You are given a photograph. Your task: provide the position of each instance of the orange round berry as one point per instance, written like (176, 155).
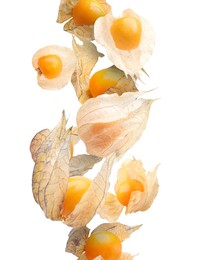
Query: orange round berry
(124, 190)
(77, 186)
(86, 12)
(103, 80)
(126, 33)
(50, 66)
(104, 244)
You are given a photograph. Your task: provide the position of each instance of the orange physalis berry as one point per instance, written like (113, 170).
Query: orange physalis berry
(124, 190)
(50, 66)
(104, 244)
(103, 80)
(126, 33)
(86, 12)
(77, 186)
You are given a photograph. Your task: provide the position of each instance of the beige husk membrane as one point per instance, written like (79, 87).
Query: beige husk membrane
(131, 62)
(51, 171)
(112, 123)
(87, 56)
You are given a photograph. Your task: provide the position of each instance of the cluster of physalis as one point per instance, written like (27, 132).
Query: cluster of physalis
(112, 117)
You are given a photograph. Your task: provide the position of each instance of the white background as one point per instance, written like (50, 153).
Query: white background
(173, 226)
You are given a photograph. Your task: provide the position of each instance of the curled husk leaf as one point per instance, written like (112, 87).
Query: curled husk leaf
(88, 205)
(40, 137)
(81, 163)
(131, 62)
(68, 59)
(82, 257)
(77, 240)
(125, 84)
(65, 10)
(51, 171)
(65, 13)
(74, 135)
(87, 57)
(120, 230)
(110, 208)
(78, 237)
(84, 32)
(139, 201)
(112, 123)
(37, 141)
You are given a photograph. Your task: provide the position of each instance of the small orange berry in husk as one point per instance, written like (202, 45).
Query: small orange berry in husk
(86, 12)
(126, 33)
(50, 66)
(124, 190)
(104, 244)
(103, 80)
(77, 186)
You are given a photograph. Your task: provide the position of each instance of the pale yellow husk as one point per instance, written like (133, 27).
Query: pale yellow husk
(87, 56)
(131, 62)
(139, 201)
(51, 171)
(112, 123)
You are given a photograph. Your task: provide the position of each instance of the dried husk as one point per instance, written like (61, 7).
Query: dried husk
(74, 135)
(65, 14)
(80, 164)
(153, 187)
(83, 32)
(133, 169)
(120, 230)
(125, 84)
(40, 137)
(87, 57)
(51, 171)
(36, 142)
(82, 257)
(131, 62)
(112, 123)
(110, 208)
(68, 59)
(65, 10)
(88, 205)
(141, 201)
(77, 240)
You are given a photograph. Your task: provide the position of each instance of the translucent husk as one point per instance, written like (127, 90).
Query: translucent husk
(131, 62)
(112, 123)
